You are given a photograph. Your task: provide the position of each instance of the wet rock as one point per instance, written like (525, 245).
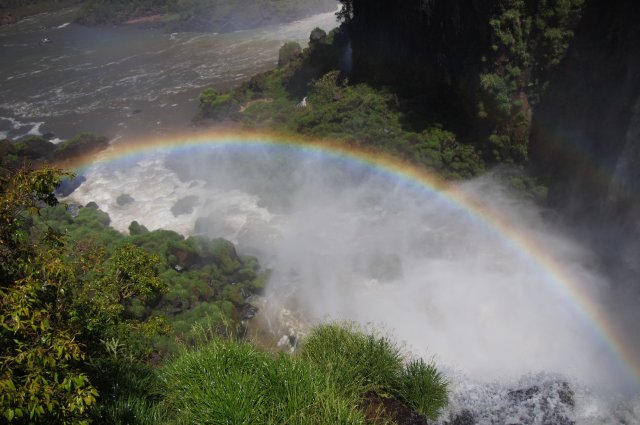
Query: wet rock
(288, 342)
(247, 311)
(317, 36)
(124, 199)
(82, 144)
(541, 400)
(136, 228)
(464, 418)
(382, 410)
(184, 205)
(246, 292)
(68, 186)
(34, 148)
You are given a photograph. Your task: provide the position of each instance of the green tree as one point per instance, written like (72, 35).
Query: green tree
(63, 306)
(40, 370)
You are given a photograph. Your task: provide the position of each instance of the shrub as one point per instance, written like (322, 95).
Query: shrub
(288, 53)
(423, 388)
(229, 382)
(219, 383)
(356, 362)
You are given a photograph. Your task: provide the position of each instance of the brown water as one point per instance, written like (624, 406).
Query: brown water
(126, 80)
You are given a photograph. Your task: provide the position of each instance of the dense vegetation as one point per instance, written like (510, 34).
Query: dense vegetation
(97, 326)
(332, 380)
(441, 86)
(35, 150)
(308, 95)
(481, 69)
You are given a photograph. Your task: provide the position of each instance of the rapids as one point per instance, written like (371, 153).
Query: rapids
(351, 241)
(124, 80)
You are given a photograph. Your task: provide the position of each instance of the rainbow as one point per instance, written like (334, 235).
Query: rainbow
(556, 276)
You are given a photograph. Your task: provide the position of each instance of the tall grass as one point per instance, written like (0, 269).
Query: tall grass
(229, 382)
(129, 394)
(423, 388)
(232, 382)
(355, 361)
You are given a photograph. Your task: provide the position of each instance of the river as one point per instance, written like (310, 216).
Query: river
(124, 81)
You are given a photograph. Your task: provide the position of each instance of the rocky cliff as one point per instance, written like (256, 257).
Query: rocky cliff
(554, 84)
(478, 65)
(586, 131)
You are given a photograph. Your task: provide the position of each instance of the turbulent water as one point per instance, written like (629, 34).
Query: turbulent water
(347, 242)
(127, 80)
(344, 241)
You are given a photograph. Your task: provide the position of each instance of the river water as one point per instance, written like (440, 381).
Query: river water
(127, 80)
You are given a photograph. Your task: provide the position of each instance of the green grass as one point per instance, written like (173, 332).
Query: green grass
(229, 382)
(355, 361)
(232, 382)
(423, 388)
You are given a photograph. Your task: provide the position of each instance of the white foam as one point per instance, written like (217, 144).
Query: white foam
(35, 130)
(376, 251)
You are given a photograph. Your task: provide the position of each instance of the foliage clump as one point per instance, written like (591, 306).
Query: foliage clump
(79, 301)
(59, 303)
(41, 373)
(289, 52)
(325, 383)
(528, 42)
(311, 96)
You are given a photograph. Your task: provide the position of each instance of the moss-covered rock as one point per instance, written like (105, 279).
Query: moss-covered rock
(289, 52)
(82, 144)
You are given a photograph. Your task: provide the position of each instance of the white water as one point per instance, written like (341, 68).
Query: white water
(348, 243)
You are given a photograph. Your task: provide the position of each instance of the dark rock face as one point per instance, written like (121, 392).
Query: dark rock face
(586, 131)
(380, 410)
(247, 311)
(435, 45)
(476, 66)
(424, 42)
(584, 119)
(464, 418)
